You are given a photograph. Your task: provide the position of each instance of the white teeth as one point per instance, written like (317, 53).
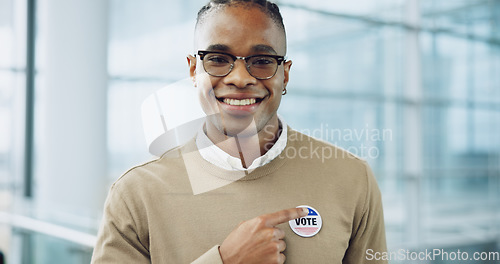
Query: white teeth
(239, 102)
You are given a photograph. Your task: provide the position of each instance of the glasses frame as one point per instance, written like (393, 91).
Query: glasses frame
(278, 58)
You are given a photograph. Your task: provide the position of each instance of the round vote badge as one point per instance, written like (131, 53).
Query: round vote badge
(309, 225)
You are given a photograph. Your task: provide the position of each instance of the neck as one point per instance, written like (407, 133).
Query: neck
(247, 147)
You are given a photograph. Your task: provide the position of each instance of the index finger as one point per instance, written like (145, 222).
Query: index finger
(286, 215)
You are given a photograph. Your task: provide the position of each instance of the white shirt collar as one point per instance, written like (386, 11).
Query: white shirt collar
(213, 154)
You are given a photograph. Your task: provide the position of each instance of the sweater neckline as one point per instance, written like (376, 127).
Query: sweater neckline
(213, 154)
(227, 175)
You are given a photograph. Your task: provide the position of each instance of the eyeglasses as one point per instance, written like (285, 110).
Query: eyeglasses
(220, 64)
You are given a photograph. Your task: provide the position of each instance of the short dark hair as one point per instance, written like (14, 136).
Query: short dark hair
(271, 9)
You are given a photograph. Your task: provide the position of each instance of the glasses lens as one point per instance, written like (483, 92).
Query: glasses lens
(217, 64)
(262, 67)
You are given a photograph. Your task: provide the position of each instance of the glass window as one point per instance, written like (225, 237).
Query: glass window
(363, 78)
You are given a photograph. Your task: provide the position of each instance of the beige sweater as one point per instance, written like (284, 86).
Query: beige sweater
(152, 215)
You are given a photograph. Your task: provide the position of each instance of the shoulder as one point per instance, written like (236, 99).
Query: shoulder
(325, 150)
(162, 172)
(348, 170)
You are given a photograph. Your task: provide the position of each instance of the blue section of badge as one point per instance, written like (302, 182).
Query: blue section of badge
(312, 212)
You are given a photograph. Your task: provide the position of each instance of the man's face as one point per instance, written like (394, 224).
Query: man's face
(241, 31)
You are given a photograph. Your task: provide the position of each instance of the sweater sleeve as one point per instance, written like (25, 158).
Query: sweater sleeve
(118, 240)
(369, 235)
(210, 257)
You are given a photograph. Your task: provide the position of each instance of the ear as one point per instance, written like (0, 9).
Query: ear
(191, 60)
(286, 65)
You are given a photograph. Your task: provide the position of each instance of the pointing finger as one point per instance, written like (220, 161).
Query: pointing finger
(286, 215)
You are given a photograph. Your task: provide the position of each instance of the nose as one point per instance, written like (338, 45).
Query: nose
(239, 76)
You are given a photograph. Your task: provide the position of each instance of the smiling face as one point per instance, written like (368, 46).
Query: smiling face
(238, 103)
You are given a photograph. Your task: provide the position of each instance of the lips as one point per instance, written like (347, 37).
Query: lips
(239, 103)
(239, 100)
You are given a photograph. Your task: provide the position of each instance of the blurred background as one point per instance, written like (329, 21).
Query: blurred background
(413, 86)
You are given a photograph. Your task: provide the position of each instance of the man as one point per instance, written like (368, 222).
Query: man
(222, 197)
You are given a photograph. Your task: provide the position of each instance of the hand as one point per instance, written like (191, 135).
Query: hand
(258, 240)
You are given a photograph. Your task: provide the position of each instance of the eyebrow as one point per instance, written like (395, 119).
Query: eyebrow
(263, 48)
(219, 47)
(260, 48)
